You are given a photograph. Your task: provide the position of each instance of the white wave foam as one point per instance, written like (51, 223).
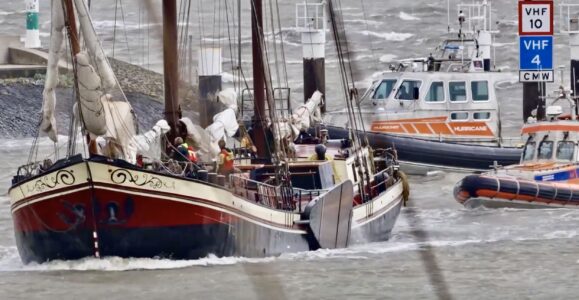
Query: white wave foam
(407, 17)
(388, 57)
(389, 36)
(364, 22)
(12, 263)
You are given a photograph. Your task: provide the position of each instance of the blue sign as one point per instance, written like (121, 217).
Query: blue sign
(536, 52)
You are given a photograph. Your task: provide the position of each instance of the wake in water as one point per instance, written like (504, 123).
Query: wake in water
(417, 229)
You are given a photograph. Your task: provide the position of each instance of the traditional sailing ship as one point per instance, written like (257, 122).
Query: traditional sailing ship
(440, 109)
(108, 203)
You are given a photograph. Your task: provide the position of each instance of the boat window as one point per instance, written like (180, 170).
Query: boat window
(384, 89)
(436, 92)
(459, 116)
(457, 91)
(545, 150)
(482, 115)
(565, 150)
(480, 90)
(406, 89)
(529, 151)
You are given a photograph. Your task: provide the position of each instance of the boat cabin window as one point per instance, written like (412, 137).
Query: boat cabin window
(406, 89)
(459, 116)
(435, 92)
(565, 150)
(457, 91)
(529, 151)
(480, 90)
(481, 115)
(545, 150)
(384, 89)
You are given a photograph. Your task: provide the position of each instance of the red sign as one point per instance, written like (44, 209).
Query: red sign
(536, 17)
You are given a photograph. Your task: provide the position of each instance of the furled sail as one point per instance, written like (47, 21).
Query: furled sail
(224, 124)
(97, 55)
(48, 124)
(91, 96)
(301, 119)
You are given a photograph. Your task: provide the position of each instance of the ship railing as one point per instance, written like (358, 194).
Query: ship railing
(277, 197)
(382, 181)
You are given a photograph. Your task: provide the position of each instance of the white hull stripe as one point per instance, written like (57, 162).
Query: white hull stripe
(23, 203)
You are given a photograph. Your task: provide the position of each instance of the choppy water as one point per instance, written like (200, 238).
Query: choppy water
(438, 249)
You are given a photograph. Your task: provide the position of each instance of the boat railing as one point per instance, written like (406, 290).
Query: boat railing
(277, 197)
(382, 181)
(281, 97)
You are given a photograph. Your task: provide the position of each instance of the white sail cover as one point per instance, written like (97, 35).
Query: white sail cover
(207, 148)
(48, 124)
(301, 119)
(224, 124)
(149, 143)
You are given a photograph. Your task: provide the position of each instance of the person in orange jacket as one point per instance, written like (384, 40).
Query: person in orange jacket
(226, 159)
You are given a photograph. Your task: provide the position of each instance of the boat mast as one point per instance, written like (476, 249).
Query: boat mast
(258, 127)
(75, 47)
(171, 68)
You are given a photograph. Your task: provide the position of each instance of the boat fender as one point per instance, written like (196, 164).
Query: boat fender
(405, 186)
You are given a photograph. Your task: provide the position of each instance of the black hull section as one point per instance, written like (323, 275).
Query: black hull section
(442, 154)
(42, 246)
(179, 242)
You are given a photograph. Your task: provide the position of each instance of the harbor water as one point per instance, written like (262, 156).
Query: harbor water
(439, 250)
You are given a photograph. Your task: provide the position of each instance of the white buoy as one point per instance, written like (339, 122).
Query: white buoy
(32, 33)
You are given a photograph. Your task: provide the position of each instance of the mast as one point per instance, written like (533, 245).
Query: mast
(258, 127)
(171, 68)
(75, 47)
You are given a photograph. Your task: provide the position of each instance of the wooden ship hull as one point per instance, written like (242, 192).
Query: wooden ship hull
(99, 207)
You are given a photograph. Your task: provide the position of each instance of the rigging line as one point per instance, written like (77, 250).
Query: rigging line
(201, 63)
(371, 40)
(125, 32)
(230, 42)
(274, 43)
(115, 27)
(282, 46)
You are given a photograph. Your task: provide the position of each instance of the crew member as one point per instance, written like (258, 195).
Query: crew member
(226, 158)
(181, 151)
(321, 155)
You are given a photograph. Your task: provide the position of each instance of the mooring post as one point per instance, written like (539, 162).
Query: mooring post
(209, 69)
(311, 21)
(32, 34)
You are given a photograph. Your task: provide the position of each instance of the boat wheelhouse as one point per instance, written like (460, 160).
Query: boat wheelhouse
(440, 109)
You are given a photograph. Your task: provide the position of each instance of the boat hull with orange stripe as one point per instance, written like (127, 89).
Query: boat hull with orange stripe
(497, 191)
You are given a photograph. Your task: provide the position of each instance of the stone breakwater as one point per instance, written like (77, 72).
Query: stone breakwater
(21, 100)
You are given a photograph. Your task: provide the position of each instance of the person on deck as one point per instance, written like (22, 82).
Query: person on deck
(225, 166)
(321, 155)
(181, 151)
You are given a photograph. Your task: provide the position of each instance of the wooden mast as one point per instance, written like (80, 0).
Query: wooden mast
(171, 68)
(75, 47)
(258, 127)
